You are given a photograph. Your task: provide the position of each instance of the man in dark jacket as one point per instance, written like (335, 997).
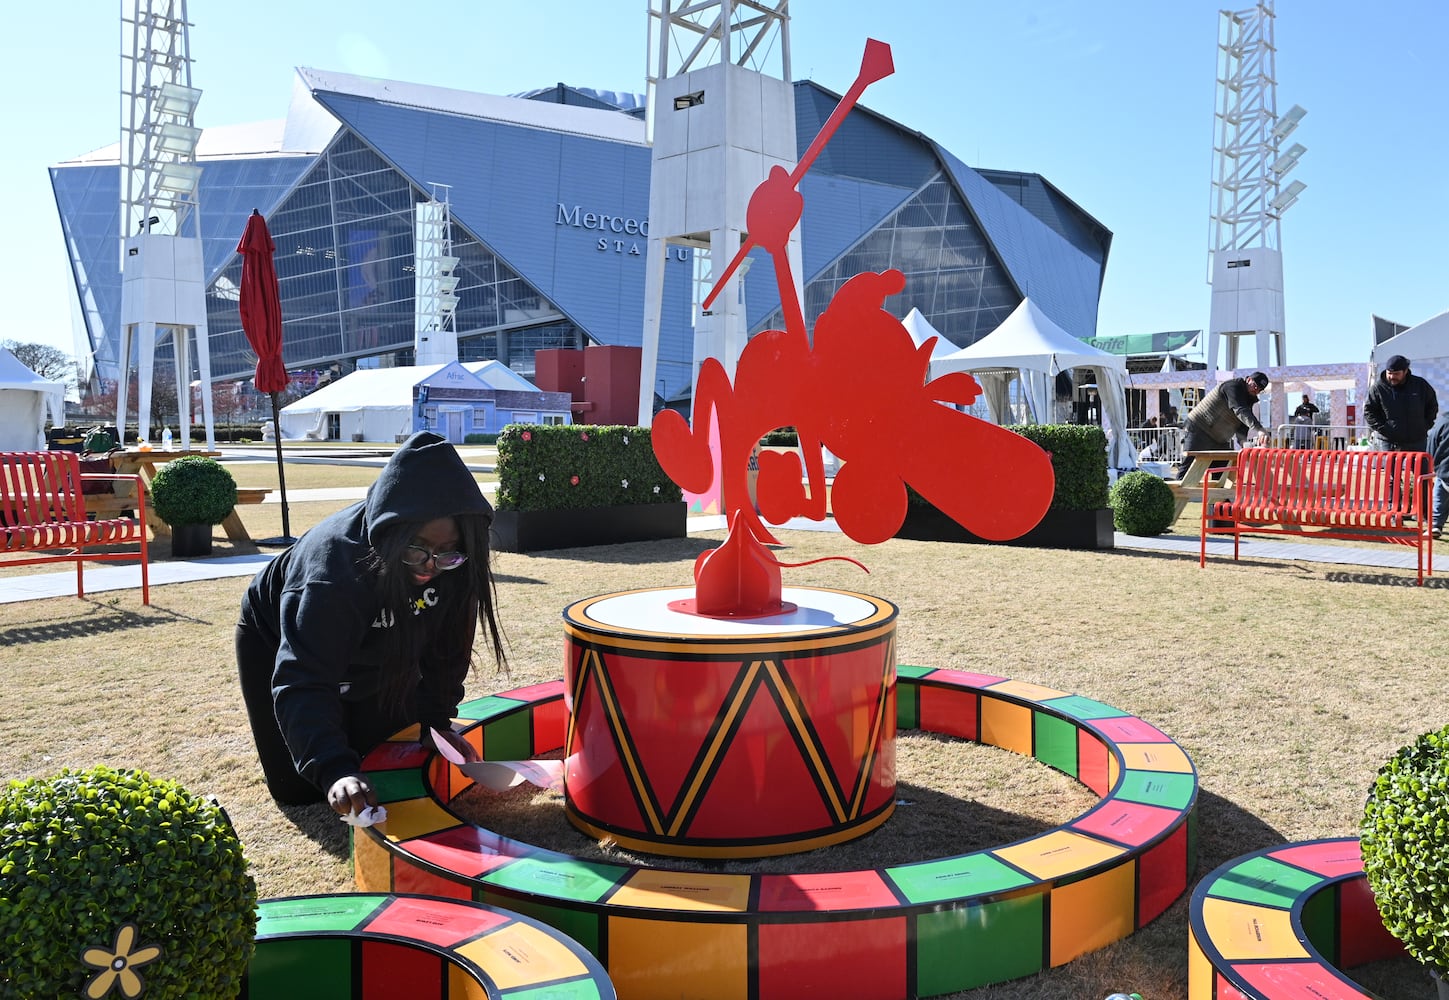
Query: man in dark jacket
(1224, 413)
(1400, 408)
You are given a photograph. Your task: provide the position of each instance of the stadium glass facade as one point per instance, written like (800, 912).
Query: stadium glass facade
(550, 224)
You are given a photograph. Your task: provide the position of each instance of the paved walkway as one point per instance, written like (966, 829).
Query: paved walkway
(104, 578)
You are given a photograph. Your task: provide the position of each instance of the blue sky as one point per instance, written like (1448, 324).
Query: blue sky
(1111, 101)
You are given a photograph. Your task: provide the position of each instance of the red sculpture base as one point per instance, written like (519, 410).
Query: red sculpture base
(700, 737)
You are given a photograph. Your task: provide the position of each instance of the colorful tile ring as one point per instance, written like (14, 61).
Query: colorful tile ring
(358, 945)
(1279, 923)
(919, 929)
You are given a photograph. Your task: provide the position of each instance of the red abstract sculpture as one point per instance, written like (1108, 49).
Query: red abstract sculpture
(862, 390)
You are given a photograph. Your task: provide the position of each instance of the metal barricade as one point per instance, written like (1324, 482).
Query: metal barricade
(1157, 444)
(1323, 437)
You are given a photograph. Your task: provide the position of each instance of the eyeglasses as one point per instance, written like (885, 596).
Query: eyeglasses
(416, 557)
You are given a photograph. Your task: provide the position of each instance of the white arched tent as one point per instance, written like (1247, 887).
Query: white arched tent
(1030, 346)
(25, 401)
(921, 330)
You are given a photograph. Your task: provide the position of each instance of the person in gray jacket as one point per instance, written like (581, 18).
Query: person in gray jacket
(1224, 413)
(1439, 448)
(1400, 408)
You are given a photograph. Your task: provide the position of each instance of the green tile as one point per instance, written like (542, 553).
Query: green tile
(908, 706)
(578, 989)
(955, 878)
(970, 946)
(391, 786)
(340, 912)
(508, 738)
(1320, 922)
(1158, 788)
(1055, 742)
(904, 671)
(580, 881)
(487, 708)
(1263, 882)
(1084, 708)
(311, 967)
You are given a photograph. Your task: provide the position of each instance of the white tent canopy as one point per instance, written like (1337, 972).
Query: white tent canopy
(1030, 346)
(921, 330)
(25, 401)
(1427, 348)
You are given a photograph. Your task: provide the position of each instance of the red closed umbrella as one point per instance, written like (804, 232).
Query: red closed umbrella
(261, 319)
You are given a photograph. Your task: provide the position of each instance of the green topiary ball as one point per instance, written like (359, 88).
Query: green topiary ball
(113, 877)
(193, 490)
(1405, 843)
(1142, 504)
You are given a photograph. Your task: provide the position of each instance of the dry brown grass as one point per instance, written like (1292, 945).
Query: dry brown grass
(1288, 683)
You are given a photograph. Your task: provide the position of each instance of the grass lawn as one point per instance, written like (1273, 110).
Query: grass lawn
(1288, 684)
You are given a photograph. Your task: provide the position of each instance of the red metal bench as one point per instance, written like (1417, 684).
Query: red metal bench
(1380, 496)
(42, 510)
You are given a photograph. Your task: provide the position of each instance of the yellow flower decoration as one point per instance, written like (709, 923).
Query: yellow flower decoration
(118, 965)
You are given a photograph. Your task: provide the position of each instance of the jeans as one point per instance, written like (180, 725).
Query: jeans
(1441, 502)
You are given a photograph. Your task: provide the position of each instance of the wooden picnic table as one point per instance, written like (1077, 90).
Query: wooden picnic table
(1189, 488)
(143, 463)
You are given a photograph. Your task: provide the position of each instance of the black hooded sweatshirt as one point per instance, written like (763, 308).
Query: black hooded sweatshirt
(318, 603)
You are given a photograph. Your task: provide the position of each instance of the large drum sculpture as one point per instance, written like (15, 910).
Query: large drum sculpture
(693, 736)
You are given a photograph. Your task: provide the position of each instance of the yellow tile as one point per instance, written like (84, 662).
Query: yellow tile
(411, 818)
(1058, 853)
(1006, 725)
(679, 890)
(1031, 692)
(1094, 912)
(664, 960)
(371, 864)
(523, 955)
(1155, 757)
(1244, 931)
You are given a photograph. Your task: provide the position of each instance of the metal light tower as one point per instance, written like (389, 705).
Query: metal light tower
(435, 339)
(721, 114)
(162, 279)
(1249, 196)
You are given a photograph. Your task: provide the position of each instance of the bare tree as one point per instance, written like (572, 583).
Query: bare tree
(48, 362)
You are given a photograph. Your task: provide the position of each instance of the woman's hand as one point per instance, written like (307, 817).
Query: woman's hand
(459, 744)
(351, 794)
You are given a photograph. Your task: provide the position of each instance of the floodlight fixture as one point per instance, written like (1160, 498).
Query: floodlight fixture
(448, 283)
(177, 140)
(446, 264)
(1289, 159)
(447, 303)
(1287, 196)
(179, 178)
(686, 101)
(178, 101)
(1289, 121)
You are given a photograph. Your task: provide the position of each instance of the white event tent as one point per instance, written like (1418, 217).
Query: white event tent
(921, 330)
(1427, 348)
(25, 401)
(1030, 346)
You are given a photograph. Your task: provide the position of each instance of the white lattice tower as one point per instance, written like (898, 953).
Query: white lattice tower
(1249, 196)
(721, 112)
(163, 287)
(435, 338)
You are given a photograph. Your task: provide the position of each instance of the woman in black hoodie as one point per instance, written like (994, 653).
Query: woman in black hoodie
(366, 625)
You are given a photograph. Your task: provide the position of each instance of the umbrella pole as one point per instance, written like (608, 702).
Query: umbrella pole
(286, 538)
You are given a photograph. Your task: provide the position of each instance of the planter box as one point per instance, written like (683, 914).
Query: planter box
(1059, 529)
(190, 540)
(534, 530)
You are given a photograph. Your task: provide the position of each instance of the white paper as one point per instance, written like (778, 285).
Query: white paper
(370, 816)
(501, 775)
